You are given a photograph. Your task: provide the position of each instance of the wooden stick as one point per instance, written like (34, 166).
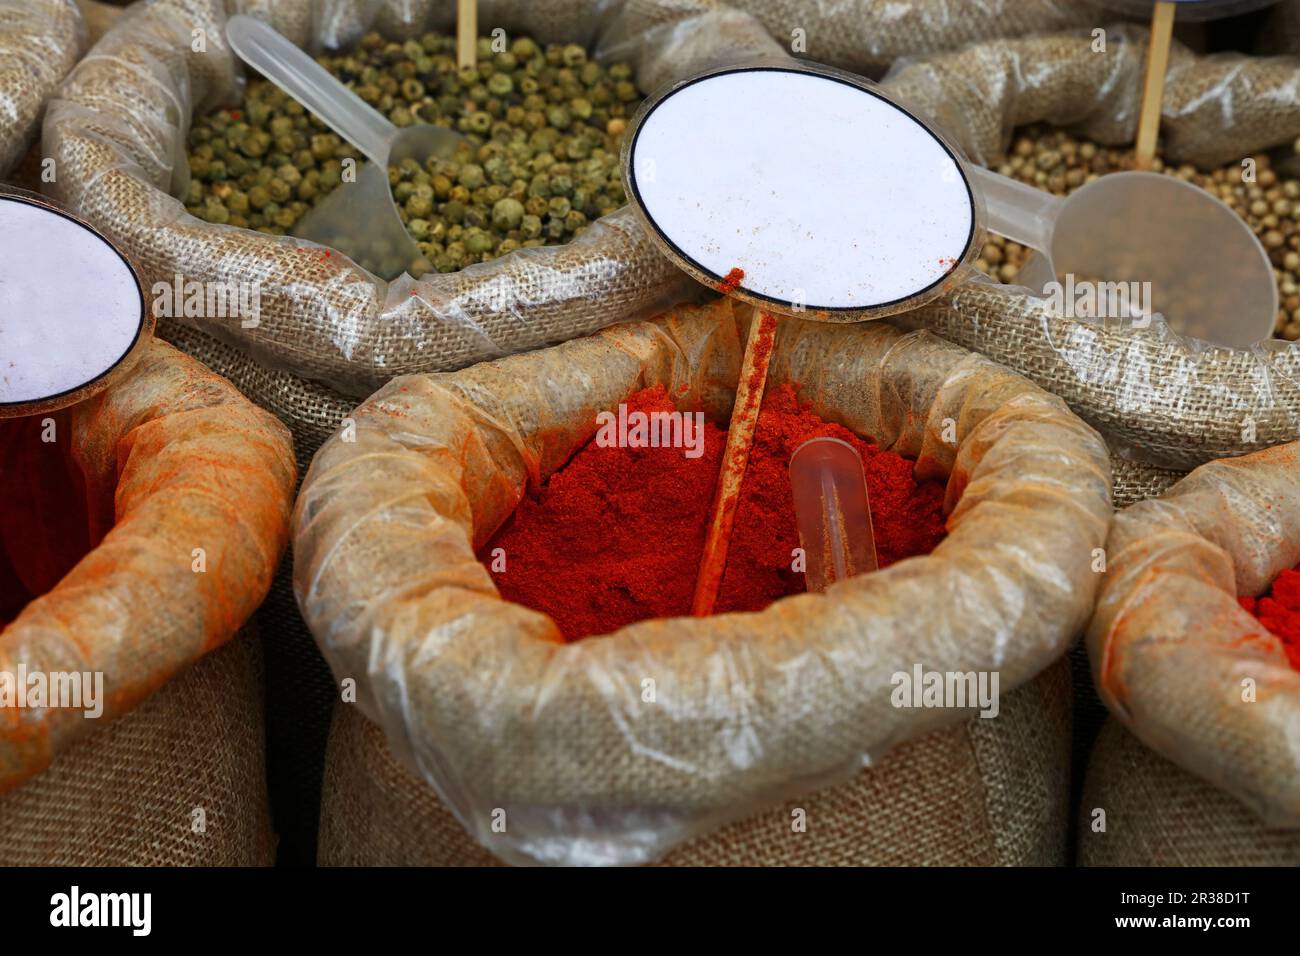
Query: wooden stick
(466, 33)
(740, 436)
(1153, 92)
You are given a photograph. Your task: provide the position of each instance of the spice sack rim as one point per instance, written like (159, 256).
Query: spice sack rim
(483, 699)
(1170, 645)
(174, 459)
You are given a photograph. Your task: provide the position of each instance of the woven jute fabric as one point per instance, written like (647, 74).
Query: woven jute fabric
(866, 36)
(1216, 108)
(1158, 814)
(40, 41)
(1171, 403)
(1174, 655)
(387, 578)
(1136, 481)
(116, 133)
(1160, 400)
(179, 781)
(985, 793)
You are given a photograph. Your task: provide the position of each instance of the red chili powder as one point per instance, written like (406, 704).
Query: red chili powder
(731, 281)
(616, 536)
(1279, 611)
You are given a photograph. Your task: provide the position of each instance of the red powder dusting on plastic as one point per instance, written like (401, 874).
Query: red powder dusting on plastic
(616, 536)
(731, 281)
(1279, 611)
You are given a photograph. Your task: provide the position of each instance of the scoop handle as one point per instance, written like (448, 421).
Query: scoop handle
(1018, 211)
(288, 67)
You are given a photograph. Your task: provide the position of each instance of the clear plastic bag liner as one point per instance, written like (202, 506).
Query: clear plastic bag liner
(866, 36)
(1158, 398)
(188, 488)
(486, 702)
(40, 41)
(1177, 659)
(118, 131)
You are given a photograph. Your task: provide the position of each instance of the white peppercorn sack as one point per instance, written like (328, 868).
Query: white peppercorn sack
(140, 531)
(486, 702)
(1177, 659)
(117, 134)
(40, 41)
(1158, 814)
(1170, 402)
(866, 36)
(179, 781)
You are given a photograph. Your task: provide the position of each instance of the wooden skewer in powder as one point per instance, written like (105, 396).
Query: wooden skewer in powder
(740, 437)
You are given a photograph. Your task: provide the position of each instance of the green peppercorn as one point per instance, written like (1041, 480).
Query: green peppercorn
(538, 160)
(507, 214)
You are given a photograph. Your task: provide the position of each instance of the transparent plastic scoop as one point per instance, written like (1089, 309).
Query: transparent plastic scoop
(1149, 242)
(831, 511)
(358, 218)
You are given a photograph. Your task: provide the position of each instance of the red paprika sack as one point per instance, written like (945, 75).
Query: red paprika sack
(1174, 655)
(487, 703)
(180, 489)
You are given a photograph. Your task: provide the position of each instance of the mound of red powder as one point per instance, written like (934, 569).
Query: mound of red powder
(1279, 611)
(616, 535)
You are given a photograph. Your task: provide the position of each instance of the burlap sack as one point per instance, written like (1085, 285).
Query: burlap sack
(1176, 658)
(180, 781)
(116, 133)
(866, 36)
(1216, 108)
(1158, 814)
(984, 793)
(1159, 399)
(40, 40)
(388, 581)
(182, 496)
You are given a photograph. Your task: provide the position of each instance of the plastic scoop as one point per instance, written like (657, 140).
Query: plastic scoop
(830, 509)
(359, 219)
(1147, 242)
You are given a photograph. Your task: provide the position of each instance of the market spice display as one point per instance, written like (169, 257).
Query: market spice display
(539, 162)
(1279, 611)
(616, 536)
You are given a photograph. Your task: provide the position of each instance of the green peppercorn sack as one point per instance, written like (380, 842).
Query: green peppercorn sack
(117, 135)
(40, 41)
(1159, 399)
(1176, 658)
(486, 703)
(1140, 809)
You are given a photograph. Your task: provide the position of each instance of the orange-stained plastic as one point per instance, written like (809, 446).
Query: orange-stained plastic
(168, 496)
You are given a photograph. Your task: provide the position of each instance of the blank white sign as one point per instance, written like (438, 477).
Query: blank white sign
(70, 306)
(826, 194)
